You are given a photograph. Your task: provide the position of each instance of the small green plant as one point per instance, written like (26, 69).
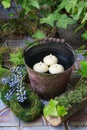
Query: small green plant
(17, 58)
(53, 109)
(39, 35)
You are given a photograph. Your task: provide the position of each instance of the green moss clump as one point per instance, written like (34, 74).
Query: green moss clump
(4, 91)
(83, 90)
(75, 97)
(25, 113)
(63, 101)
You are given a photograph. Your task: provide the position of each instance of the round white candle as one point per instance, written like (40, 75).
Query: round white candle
(56, 68)
(40, 67)
(50, 59)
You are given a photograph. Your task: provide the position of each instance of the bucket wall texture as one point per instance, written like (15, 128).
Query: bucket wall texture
(48, 86)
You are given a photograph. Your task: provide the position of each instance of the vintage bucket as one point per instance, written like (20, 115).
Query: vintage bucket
(48, 85)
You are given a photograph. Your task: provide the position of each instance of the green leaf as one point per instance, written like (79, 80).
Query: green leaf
(3, 71)
(27, 10)
(39, 35)
(53, 102)
(80, 7)
(6, 3)
(85, 54)
(67, 4)
(50, 109)
(70, 4)
(61, 111)
(84, 19)
(84, 35)
(17, 58)
(64, 21)
(83, 70)
(50, 19)
(61, 5)
(35, 4)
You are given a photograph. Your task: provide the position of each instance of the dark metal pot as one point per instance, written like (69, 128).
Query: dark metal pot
(44, 84)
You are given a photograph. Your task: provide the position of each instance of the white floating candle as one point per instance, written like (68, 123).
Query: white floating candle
(56, 68)
(40, 67)
(50, 59)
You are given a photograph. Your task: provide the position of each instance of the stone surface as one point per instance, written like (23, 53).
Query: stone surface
(43, 128)
(38, 122)
(77, 128)
(18, 42)
(9, 128)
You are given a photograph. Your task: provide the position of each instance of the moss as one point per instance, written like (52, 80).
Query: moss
(75, 97)
(4, 91)
(83, 89)
(33, 110)
(63, 101)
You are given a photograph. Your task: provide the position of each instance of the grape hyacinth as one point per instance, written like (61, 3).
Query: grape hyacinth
(15, 83)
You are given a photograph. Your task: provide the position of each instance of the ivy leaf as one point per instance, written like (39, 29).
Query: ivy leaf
(67, 4)
(50, 109)
(61, 111)
(64, 21)
(39, 35)
(73, 2)
(35, 4)
(50, 19)
(17, 58)
(70, 4)
(84, 35)
(80, 7)
(6, 3)
(53, 102)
